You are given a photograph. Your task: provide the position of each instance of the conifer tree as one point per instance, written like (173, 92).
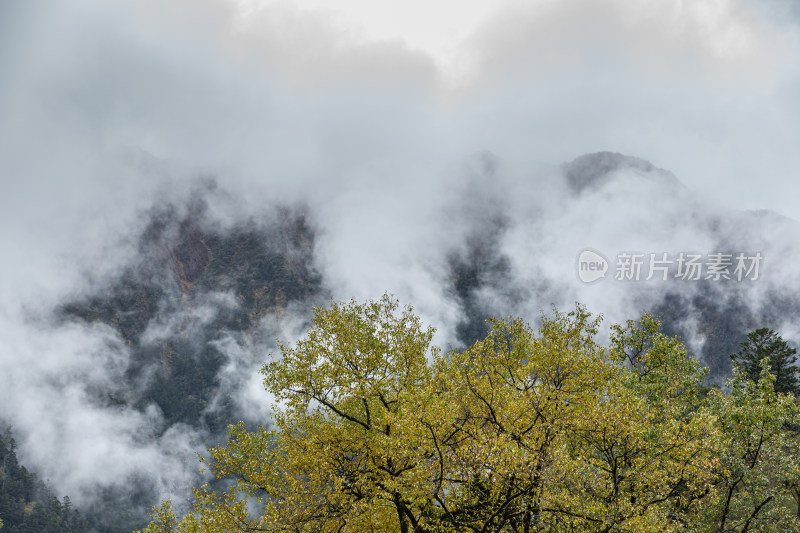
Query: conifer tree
(766, 343)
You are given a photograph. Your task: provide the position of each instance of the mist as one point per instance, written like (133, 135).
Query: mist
(429, 158)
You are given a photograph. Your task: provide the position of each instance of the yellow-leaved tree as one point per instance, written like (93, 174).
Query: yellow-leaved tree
(527, 430)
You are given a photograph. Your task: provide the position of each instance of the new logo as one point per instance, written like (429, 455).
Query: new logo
(592, 266)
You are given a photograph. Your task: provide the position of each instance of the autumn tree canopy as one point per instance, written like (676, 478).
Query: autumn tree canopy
(376, 430)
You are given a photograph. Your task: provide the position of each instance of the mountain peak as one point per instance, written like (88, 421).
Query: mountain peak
(592, 171)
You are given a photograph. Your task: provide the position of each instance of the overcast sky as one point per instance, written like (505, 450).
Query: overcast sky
(313, 95)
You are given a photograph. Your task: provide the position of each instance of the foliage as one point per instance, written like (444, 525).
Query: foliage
(27, 504)
(766, 343)
(377, 430)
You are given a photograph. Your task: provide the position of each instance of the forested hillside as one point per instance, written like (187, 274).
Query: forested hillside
(27, 504)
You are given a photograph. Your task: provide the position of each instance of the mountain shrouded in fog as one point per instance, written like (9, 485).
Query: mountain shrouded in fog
(182, 181)
(195, 312)
(193, 289)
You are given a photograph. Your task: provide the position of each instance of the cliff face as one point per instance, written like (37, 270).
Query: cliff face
(196, 283)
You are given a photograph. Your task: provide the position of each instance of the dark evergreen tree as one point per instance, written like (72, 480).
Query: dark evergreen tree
(762, 343)
(27, 504)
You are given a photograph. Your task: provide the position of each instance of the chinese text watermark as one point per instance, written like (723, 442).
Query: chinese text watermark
(683, 266)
